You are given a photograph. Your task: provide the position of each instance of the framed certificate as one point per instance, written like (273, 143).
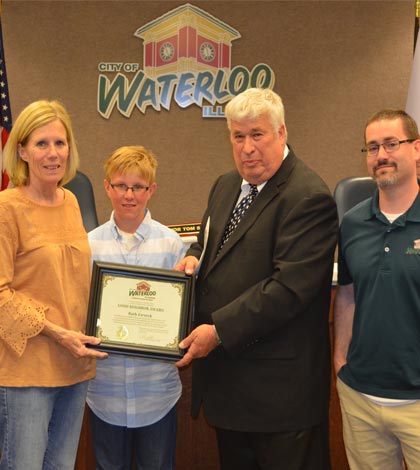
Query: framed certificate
(139, 311)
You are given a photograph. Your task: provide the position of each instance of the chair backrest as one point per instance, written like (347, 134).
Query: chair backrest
(351, 191)
(81, 187)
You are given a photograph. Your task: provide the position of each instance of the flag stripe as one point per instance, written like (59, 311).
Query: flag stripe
(5, 112)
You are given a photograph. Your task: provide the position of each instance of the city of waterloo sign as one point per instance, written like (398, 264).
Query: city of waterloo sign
(186, 60)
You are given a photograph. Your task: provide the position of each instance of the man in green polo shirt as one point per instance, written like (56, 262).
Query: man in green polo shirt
(377, 308)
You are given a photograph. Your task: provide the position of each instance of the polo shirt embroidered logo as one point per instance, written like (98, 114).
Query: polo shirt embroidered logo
(415, 250)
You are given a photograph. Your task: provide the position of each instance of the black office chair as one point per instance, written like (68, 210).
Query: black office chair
(351, 191)
(81, 187)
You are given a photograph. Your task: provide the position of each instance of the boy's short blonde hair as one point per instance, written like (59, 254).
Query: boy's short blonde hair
(132, 159)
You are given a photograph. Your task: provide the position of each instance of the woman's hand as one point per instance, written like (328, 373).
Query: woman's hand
(74, 341)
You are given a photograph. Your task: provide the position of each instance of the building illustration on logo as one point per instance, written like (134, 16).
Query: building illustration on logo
(187, 60)
(186, 39)
(143, 286)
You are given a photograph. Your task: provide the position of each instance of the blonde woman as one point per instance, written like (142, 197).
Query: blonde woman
(44, 283)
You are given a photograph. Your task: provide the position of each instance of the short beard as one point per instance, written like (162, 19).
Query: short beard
(387, 182)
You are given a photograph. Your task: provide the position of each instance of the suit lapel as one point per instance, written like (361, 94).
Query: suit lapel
(248, 220)
(226, 202)
(270, 191)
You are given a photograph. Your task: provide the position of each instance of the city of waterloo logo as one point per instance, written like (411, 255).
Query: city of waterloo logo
(186, 60)
(143, 289)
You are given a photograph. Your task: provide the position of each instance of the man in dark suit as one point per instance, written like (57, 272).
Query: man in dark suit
(261, 338)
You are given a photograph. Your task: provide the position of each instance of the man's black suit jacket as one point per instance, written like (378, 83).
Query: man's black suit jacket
(268, 293)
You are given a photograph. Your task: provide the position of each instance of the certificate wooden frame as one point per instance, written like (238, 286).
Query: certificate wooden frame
(139, 311)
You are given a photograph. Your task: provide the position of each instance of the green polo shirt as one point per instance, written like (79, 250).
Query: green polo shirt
(382, 260)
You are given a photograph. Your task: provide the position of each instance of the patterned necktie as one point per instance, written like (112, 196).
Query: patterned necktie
(238, 213)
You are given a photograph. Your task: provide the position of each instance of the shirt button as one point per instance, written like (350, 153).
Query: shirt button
(387, 249)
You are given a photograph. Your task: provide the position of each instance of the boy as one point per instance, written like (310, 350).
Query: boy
(132, 401)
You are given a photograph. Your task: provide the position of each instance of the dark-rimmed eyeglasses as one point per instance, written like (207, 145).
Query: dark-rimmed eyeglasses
(122, 188)
(389, 146)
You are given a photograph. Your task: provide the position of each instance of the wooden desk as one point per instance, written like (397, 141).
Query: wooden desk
(196, 440)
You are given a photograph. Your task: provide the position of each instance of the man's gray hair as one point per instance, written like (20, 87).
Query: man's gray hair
(254, 103)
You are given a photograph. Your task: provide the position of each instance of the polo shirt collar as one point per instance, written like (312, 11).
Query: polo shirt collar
(411, 215)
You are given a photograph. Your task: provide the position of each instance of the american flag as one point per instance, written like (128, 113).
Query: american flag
(5, 113)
